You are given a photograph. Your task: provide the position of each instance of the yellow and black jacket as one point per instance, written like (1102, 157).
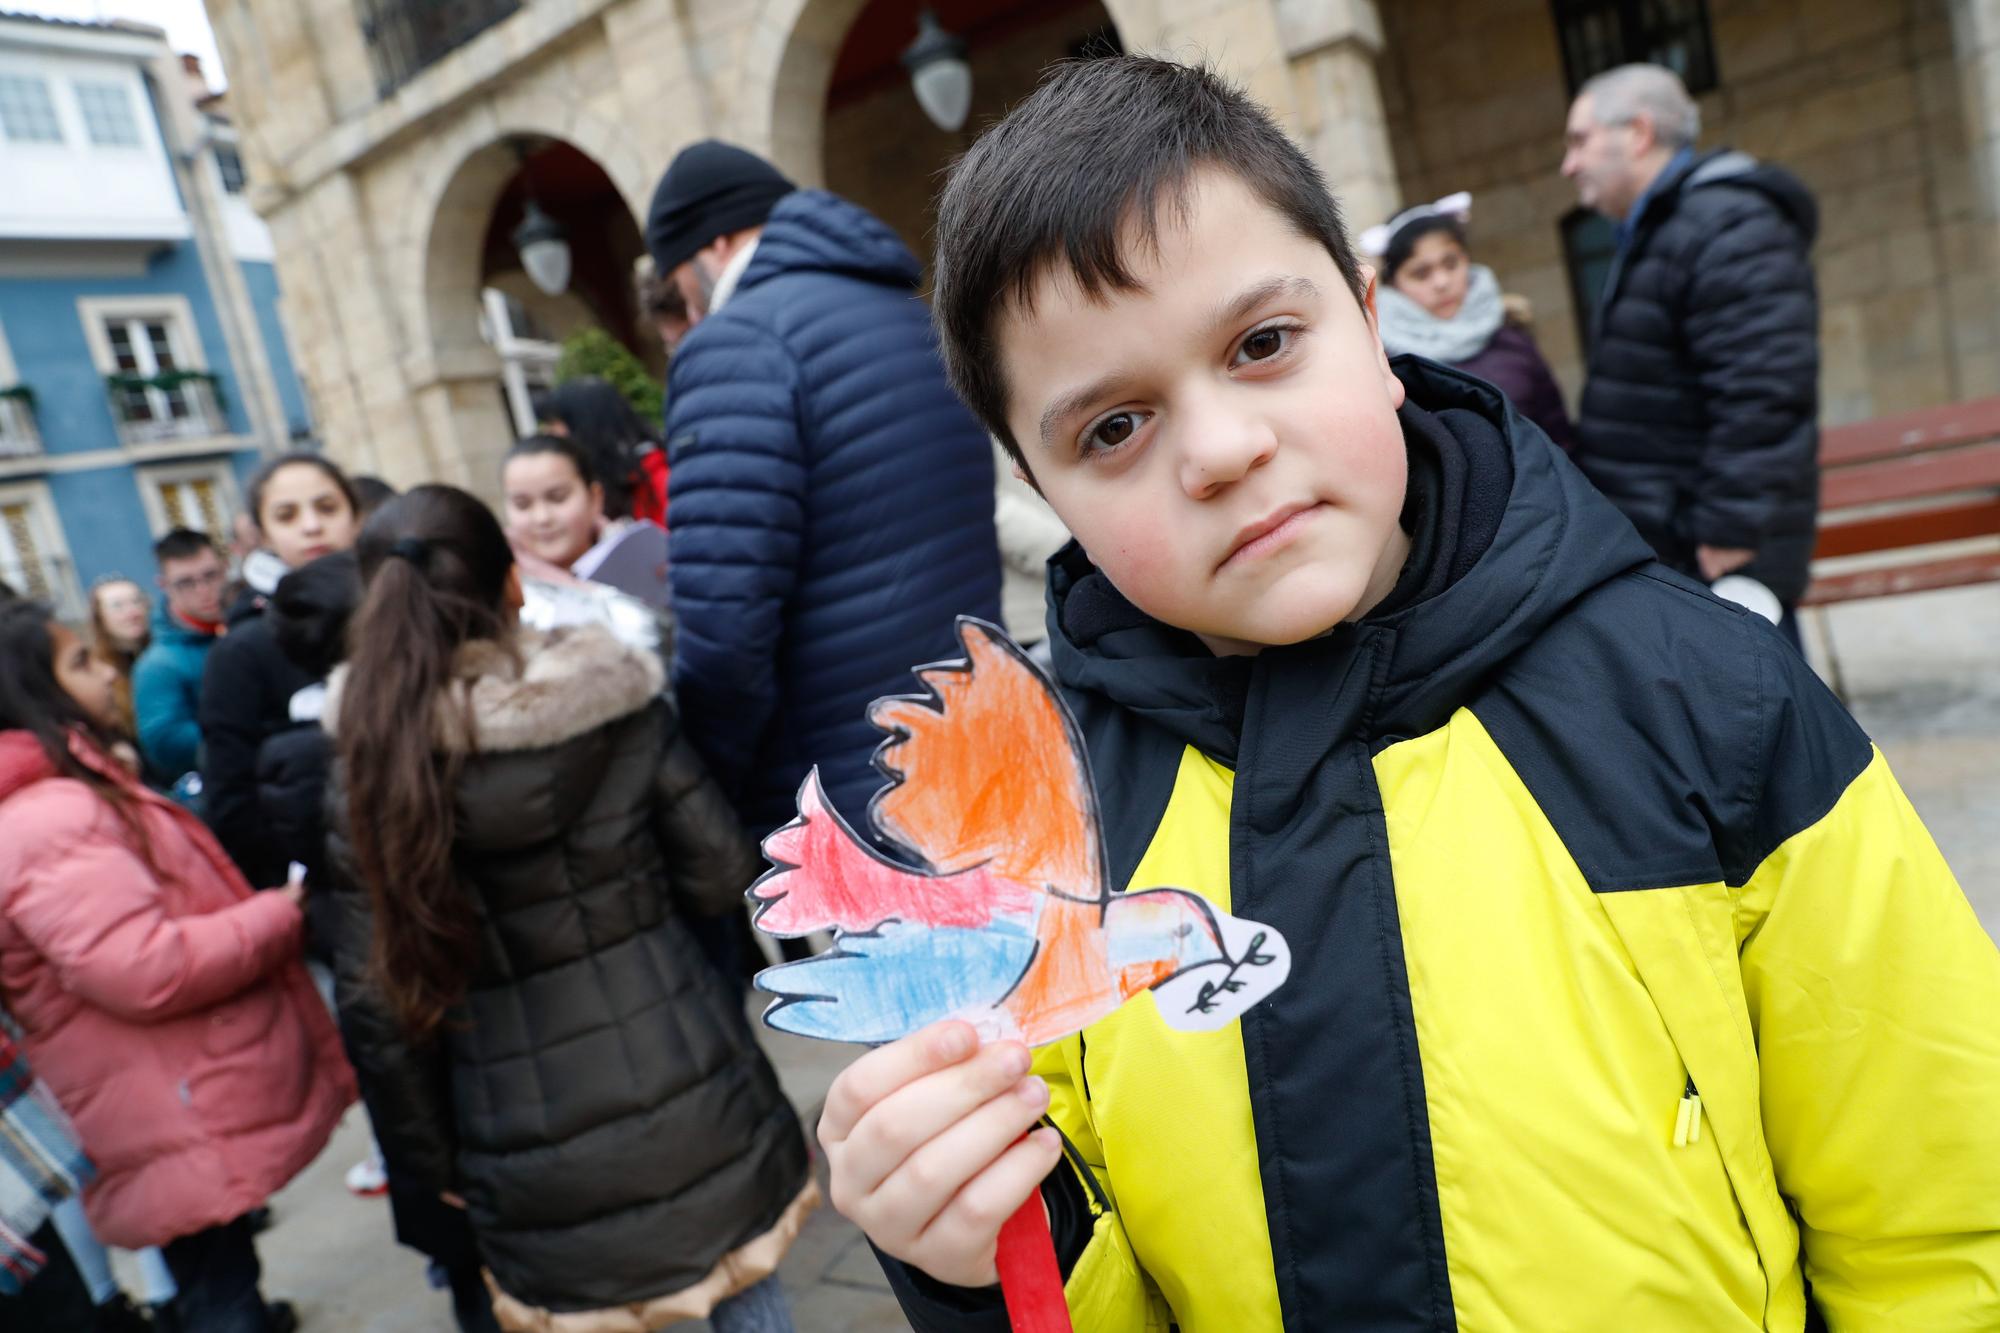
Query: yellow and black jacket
(1628, 992)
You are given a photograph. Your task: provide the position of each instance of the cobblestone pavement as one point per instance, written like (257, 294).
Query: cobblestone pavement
(1922, 673)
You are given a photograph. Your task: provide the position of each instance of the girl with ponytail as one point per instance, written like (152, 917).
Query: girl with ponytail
(525, 837)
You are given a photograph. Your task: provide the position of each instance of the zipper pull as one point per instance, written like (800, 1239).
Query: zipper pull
(1687, 1123)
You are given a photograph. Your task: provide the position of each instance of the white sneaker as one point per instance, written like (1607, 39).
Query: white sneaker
(368, 1179)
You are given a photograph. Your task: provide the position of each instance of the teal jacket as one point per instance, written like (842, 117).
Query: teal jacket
(166, 696)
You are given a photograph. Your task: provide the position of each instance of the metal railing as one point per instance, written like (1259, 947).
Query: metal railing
(151, 415)
(406, 36)
(18, 436)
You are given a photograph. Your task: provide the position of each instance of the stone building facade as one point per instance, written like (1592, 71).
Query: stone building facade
(387, 179)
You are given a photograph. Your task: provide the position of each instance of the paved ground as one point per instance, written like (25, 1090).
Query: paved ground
(1922, 673)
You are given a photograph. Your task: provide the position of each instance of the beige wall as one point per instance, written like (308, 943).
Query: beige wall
(1860, 97)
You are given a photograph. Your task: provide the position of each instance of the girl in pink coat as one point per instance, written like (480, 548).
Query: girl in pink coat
(162, 1001)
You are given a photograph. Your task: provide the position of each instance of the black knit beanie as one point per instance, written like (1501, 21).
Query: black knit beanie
(711, 189)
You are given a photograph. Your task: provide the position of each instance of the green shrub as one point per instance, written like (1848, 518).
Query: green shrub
(595, 352)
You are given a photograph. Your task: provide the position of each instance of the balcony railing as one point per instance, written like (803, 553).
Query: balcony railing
(405, 36)
(45, 578)
(183, 405)
(18, 436)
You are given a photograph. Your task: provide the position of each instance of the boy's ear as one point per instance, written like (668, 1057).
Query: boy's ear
(1393, 385)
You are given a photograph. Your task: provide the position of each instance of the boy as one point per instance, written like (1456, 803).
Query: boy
(1627, 990)
(166, 680)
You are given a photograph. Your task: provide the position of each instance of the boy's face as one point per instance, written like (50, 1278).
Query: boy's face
(1223, 439)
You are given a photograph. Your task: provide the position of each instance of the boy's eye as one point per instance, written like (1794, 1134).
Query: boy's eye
(1111, 432)
(1263, 344)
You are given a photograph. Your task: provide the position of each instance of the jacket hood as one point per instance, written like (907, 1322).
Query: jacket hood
(22, 762)
(538, 691)
(1555, 540)
(1728, 166)
(310, 608)
(813, 231)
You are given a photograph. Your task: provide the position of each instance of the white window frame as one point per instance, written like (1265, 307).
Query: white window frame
(154, 481)
(183, 334)
(78, 88)
(45, 530)
(55, 112)
(19, 435)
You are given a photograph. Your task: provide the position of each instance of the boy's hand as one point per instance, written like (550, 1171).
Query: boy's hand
(924, 1140)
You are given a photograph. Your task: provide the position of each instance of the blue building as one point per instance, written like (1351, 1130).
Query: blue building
(143, 365)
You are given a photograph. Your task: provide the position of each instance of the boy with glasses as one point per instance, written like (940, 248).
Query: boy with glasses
(166, 680)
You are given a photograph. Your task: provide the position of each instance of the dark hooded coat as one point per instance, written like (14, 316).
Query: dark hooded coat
(1700, 416)
(831, 508)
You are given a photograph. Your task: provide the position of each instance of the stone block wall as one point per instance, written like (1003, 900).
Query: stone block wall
(1861, 98)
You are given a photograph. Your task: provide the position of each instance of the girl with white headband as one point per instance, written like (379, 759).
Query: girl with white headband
(1435, 302)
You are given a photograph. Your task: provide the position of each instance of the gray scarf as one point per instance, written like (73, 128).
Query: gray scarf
(1408, 327)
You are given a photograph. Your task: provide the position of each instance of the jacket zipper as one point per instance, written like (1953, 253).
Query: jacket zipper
(1687, 1124)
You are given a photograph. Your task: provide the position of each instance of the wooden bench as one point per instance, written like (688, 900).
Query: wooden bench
(1914, 487)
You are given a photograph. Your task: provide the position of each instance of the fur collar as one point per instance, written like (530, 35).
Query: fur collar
(542, 689)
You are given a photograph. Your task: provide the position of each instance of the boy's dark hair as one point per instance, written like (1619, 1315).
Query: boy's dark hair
(1099, 145)
(1403, 243)
(183, 544)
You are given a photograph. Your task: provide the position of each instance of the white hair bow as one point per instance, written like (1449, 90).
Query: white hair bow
(1375, 241)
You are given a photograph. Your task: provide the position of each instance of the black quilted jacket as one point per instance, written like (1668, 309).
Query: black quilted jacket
(598, 1099)
(1700, 415)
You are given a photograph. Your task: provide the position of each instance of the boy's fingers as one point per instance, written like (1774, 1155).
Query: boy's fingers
(887, 1068)
(913, 1115)
(928, 1179)
(972, 1221)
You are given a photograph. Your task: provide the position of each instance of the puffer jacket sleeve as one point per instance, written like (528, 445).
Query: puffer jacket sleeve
(116, 946)
(1752, 331)
(231, 705)
(1872, 990)
(406, 1087)
(735, 523)
(163, 708)
(710, 860)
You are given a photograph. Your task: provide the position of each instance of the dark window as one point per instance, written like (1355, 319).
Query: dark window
(230, 163)
(1600, 34)
(1589, 240)
(405, 36)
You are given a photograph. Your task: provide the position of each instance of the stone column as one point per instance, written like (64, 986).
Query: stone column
(1331, 46)
(1972, 241)
(1976, 35)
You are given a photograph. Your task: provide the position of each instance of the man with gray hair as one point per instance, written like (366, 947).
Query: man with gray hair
(1700, 412)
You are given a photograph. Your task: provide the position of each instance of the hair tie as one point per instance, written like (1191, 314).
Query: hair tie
(413, 549)
(1375, 241)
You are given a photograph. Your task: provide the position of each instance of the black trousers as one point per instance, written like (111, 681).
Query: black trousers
(55, 1299)
(218, 1274)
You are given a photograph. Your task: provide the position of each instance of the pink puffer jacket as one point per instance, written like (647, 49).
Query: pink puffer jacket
(168, 1009)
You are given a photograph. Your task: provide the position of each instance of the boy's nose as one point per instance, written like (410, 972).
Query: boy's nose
(1220, 447)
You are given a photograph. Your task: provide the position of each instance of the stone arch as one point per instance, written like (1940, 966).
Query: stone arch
(468, 170)
(788, 65)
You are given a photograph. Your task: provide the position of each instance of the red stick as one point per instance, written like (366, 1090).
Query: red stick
(1030, 1280)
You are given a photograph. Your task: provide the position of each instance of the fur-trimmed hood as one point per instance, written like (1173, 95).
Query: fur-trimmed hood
(534, 691)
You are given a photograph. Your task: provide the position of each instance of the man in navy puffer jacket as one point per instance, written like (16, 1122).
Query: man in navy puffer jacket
(831, 502)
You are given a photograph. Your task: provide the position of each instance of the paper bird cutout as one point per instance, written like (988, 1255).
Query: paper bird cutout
(1007, 919)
